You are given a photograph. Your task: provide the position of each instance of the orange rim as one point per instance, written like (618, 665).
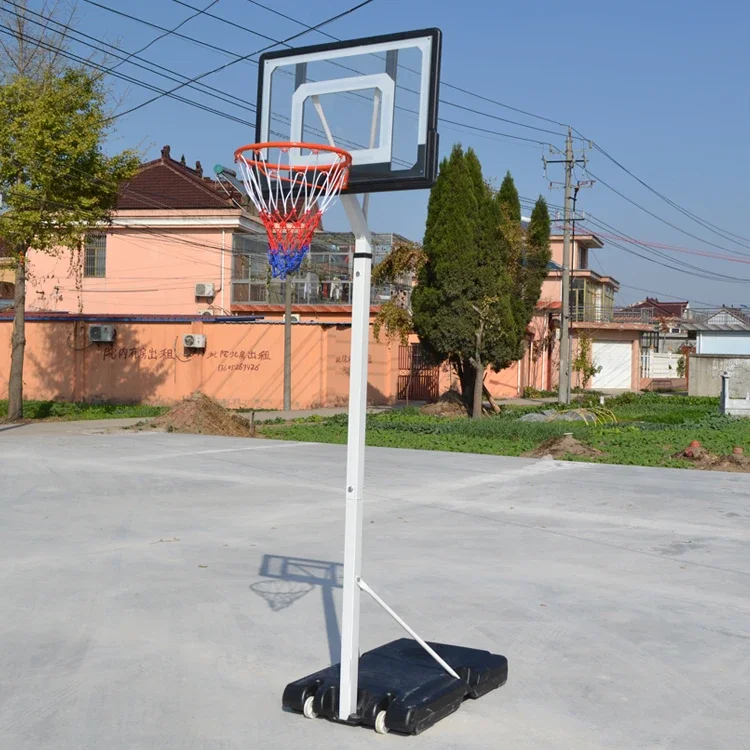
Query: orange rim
(286, 146)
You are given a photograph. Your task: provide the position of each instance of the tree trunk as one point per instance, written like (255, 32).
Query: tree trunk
(465, 371)
(18, 344)
(476, 411)
(491, 399)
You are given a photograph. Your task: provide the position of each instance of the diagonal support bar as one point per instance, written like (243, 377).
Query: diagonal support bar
(444, 664)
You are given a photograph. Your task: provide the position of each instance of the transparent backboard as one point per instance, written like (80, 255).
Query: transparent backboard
(375, 97)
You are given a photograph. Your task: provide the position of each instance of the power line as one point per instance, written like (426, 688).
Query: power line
(674, 248)
(215, 92)
(243, 58)
(124, 77)
(661, 219)
(337, 17)
(725, 234)
(197, 13)
(354, 70)
(442, 82)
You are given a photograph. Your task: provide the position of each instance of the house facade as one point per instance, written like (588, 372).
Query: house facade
(719, 331)
(613, 335)
(168, 250)
(671, 337)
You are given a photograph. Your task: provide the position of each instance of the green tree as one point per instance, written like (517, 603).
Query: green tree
(477, 290)
(55, 179)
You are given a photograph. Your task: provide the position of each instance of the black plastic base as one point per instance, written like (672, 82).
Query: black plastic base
(403, 680)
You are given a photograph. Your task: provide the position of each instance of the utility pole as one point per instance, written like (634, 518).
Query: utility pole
(563, 387)
(569, 161)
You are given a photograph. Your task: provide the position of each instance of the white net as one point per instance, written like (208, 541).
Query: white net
(291, 185)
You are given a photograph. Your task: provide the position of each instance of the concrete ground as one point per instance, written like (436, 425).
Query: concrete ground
(151, 598)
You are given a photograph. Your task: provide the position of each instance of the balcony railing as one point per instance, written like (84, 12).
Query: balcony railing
(336, 292)
(598, 314)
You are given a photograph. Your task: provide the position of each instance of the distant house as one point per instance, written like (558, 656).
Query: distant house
(167, 251)
(723, 330)
(615, 337)
(670, 336)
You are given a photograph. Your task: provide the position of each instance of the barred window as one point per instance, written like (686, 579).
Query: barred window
(96, 255)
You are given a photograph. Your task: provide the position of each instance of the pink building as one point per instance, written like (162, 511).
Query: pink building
(168, 250)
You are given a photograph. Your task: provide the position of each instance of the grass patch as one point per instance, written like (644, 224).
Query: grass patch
(650, 428)
(71, 411)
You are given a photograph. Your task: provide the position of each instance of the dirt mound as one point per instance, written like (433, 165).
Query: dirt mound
(703, 459)
(559, 447)
(449, 404)
(696, 453)
(730, 463)
(201, 415)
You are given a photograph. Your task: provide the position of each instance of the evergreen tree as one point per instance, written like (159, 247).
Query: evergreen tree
(477, 290)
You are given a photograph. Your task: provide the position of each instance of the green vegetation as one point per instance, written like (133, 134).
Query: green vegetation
(649, 430)
(66, 411)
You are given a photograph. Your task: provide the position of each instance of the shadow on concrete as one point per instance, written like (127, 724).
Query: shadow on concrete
(6, 427)
(287, 579)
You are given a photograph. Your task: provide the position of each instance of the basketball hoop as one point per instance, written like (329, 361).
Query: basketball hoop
(291, 193)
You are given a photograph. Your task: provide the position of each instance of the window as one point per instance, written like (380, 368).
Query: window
(95, 264)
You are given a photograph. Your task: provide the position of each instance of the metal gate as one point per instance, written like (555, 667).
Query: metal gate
(417, 380)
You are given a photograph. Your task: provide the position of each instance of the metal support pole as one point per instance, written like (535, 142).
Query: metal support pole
(288, 284)
(355, 457)
(563, 389)
(724, 395)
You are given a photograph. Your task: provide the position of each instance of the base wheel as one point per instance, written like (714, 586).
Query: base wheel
(380, 726)
(307, 708)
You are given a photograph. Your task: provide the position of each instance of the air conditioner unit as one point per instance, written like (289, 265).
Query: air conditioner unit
(207, 313)
(194, 341)
(103, 334)
(294, 317)
(204, 290)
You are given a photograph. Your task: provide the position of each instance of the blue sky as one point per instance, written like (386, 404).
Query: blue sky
(661, 86)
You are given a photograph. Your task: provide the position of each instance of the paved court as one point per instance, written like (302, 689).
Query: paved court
(137, 613)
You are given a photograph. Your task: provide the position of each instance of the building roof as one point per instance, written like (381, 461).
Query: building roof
(170, 184)
(662, 309)
(722, 327)
(586, 239)
(726, 319)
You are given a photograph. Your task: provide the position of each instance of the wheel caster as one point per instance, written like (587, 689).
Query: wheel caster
(380, 726)
(307, 708)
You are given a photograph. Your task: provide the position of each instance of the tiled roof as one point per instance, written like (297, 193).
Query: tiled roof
(665, 309)
(167, 183)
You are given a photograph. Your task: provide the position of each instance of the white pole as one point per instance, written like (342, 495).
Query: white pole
(355, 457)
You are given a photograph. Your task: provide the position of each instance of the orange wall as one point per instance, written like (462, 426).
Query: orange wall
(242, 365)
